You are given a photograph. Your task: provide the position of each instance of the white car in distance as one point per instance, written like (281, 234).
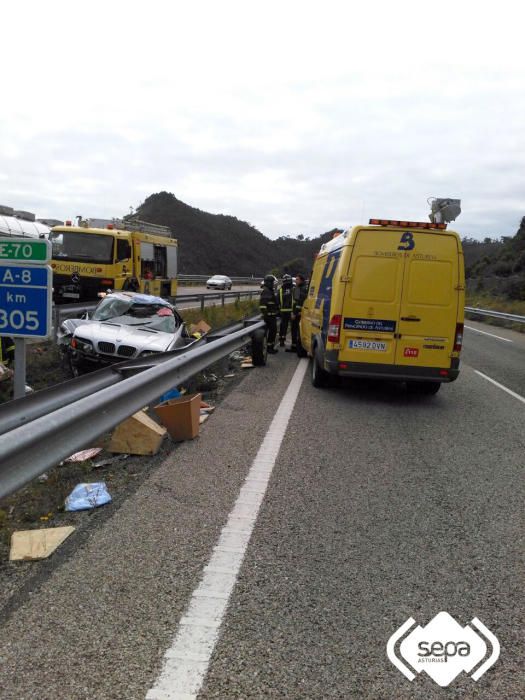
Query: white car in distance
(219, 282)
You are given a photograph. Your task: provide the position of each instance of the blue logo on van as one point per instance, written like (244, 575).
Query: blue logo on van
(325, 289)
(369, 324)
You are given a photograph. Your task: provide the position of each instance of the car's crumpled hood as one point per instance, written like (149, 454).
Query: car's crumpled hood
(119, 334)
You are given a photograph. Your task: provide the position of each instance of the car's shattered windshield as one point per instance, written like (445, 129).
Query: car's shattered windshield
(129, 312)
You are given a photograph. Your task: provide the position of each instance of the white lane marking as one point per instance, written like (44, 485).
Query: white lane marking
(492, 335)
(500, 386)
(187, 660)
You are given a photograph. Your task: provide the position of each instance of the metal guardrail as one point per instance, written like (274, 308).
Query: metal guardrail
(255, 279)
(48, 427)
(203, 298)
(495, 314)
(15, 413)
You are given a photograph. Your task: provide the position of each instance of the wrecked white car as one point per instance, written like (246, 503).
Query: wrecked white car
(123, 326)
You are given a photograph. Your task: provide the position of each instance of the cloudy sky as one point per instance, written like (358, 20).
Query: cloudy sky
(295, 116)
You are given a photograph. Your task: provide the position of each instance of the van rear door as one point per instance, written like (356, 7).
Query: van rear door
(429, 301)
(371, 306)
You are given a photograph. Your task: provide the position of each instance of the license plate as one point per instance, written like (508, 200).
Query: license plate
(372, 345)
(71, 295)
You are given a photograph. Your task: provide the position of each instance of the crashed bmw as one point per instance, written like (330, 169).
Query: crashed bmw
(124, 325)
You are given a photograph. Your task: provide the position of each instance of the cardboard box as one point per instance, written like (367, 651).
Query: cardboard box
(201, 327)
(181, 416)
(138, 435)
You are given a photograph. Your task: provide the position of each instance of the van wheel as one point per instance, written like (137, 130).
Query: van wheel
(259, 349)
(318, 374)
(423, 388)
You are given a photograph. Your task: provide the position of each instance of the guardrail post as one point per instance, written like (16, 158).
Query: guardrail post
(202, 302)
(19, 380)
(56, 322)
(222, 299)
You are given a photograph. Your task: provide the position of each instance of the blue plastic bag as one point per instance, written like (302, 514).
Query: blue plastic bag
(171, 394)
(86, 496)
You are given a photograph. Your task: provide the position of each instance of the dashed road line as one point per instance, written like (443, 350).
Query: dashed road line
(501, 386)
(187, 660)
(492, 335)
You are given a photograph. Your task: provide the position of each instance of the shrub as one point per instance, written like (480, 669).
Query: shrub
(503, 268)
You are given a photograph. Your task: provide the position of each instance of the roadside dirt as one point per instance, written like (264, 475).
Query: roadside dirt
(41, 503)
(44, 367)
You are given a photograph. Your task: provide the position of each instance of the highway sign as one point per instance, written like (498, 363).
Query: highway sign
(25, 300)
(32, 251)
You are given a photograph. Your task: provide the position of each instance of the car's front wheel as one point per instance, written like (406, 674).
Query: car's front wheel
(75, 366)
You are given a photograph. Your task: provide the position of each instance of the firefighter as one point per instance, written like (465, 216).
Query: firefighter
(285, 307)
(7, 350)
(299, 295)
(269, 307)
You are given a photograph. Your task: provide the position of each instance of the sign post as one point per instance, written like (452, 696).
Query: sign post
(25, 297)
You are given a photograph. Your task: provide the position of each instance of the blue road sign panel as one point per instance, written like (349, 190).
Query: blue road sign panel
(25, 301)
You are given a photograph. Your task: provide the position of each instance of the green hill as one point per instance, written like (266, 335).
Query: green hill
(219, 244)
(497, 267)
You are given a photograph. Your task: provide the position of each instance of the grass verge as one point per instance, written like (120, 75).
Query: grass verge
(485, 301)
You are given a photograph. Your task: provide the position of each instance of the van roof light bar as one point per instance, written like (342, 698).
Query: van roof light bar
(406, 224)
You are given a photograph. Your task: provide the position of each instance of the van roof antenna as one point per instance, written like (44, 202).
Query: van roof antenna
(443, 210)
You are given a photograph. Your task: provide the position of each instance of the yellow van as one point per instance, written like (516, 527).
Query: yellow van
(387, 301)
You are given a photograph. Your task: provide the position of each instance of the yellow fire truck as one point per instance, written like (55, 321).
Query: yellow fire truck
(99, 254)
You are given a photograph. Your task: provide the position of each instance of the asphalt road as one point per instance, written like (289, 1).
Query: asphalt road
(380, 507)
(498, 352)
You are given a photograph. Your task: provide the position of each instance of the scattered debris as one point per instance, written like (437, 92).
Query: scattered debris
(247, 364)
(5, 373)
(109, 460)
(207, 382)
(37, 544)
(84, 455)
(206, 408)
(43, 477)
(200, 327)
(138, 435)
(229, 376)
(203, 418)
(181, 416)
(171, 394)
(236, 356)
(87, 496)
